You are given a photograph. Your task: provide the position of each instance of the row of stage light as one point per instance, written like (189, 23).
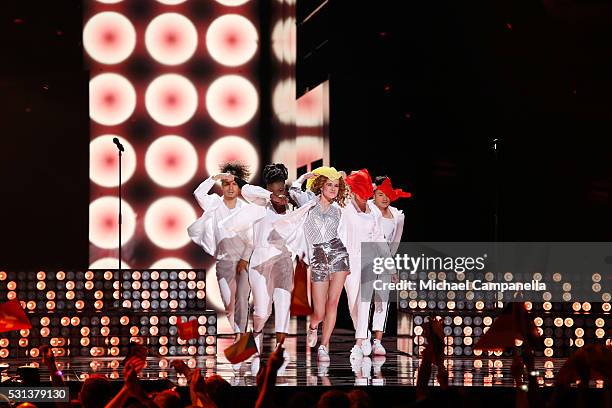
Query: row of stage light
(95, 314)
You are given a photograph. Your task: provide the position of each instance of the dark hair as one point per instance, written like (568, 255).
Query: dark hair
(168, 399)
(95, 392)
(333, 399)
(379, 180)
(219, 390)
(275, 172)
(238, 169)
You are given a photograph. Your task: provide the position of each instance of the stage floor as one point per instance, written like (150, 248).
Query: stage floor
(395, 369)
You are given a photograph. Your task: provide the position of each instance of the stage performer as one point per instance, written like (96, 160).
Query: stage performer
(319, 221)
(271, 264)
(392, 224)
(231, 251)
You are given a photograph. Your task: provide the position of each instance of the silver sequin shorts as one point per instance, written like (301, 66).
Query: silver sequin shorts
(327, 258)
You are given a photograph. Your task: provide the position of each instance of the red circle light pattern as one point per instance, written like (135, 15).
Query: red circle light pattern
(171, 117)
(104, 225)
(166, 222)
(231, 40)
(232, 3)
(232, 100)
(171, 39)
(171, 99)
(112, 99)
(171, 161)
(171, 2)
(109, 37)
(170, 263)
(108, 263)
(104, 161)
(231, 148)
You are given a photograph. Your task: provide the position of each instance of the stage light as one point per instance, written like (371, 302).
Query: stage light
(103, 161)
(109, 37)
(171, 99)
(232, 100)
(171, 2)
(112, 99)
(231, 148)
(103, 226)
(232, 3)
(171, 39)
(231, 40)
(171, 161)
(166, 222)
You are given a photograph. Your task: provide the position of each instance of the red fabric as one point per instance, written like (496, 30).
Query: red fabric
(514, 323)
(242, 349)
(299, 297)
(12, 317)
(392, 193)
(188, 330)
(361, 184)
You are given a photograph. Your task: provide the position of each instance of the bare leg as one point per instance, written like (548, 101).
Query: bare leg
(319, 300)
(336, 284)
(378, 335)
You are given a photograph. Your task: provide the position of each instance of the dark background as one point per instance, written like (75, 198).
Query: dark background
(419, 90)
(44, 136)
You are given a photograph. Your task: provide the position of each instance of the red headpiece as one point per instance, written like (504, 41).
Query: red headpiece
(390, 192)
(361, 184)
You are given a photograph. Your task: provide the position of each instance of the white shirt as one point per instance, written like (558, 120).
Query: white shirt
(206, 231)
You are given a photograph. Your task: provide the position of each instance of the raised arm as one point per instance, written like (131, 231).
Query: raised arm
(297, 194)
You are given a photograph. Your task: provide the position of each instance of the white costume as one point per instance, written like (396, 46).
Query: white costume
(392, 229)
(271, 264)
(228, 248)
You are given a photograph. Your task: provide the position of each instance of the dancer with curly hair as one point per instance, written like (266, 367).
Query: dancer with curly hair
(231, 250)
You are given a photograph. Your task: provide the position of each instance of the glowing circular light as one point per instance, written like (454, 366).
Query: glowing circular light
(166, 222)
(232, 3)
(103, 223)
(579, 332)
(557, 277)
(231, 40)
(596, 277)
(171, 39)
(310, 108)
(171, 99)
(170, 263)
(109, 37)
(171, 2)
(231, 148)
(103, 161)
(283, 101)
(310, 149)
(171, 161)
(108, 263)
(232, 100)
(112, 99)
(586, 306)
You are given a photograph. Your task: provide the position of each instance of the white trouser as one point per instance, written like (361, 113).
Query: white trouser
(234, 289)
(359, 307)
(272, 286)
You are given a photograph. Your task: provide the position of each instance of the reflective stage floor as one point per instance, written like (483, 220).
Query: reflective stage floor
(397, 368)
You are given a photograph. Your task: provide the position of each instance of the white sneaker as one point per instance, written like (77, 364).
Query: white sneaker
(323, 354)
(259, 342)
(311, 337)
(366, 345)
(378, 349)
(255, 364)
(286, 361)
(356, 353)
